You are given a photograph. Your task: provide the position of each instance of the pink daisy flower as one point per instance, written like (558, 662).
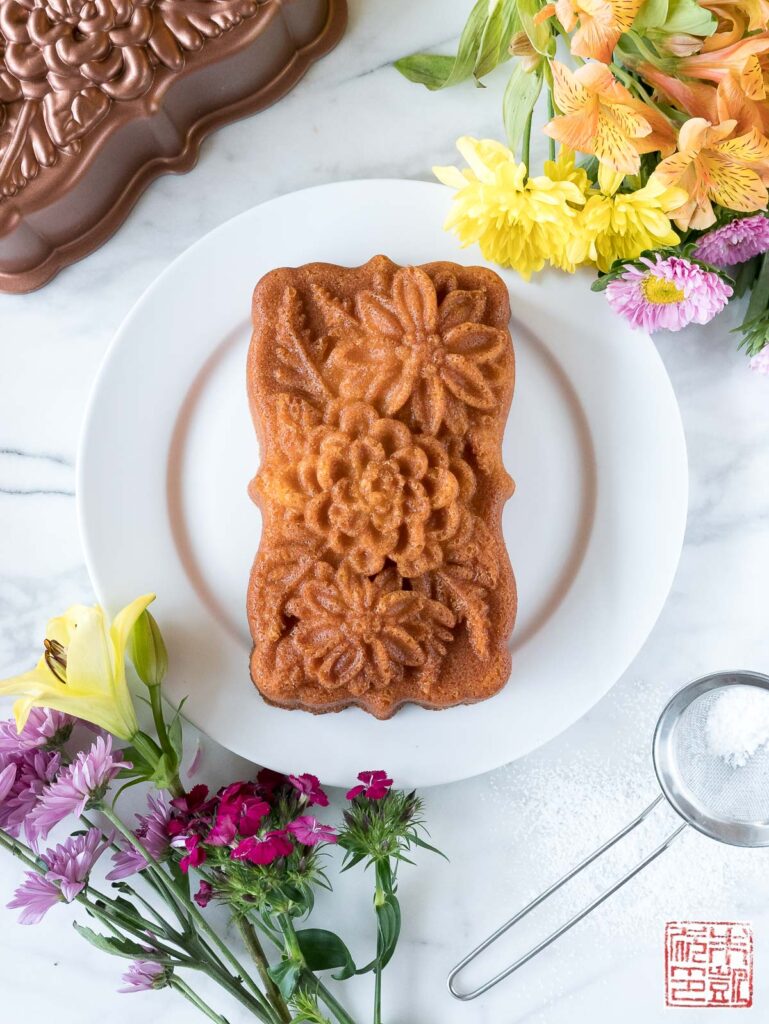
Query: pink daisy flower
(760, 362)
(264, 849)
(144, 975)
(309, 831)
(736, 242)
(374, 785)
(310, 788)
(667, 294)
(81, 784)
(43, 728)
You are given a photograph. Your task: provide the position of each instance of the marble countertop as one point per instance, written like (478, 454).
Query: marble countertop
(512, 832)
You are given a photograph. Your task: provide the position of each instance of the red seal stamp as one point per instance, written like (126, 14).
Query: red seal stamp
(708, 963)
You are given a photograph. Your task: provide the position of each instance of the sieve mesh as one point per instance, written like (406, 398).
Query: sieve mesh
(721, 790)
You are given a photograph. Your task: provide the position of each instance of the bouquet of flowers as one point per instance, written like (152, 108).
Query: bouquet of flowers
(657, 120)
(255, 846)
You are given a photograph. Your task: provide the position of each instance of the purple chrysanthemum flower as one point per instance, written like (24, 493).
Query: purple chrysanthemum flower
(84, 782)
(736, 242)
(309, 831)
(35, 897)
(33, 771)
(144, 975)
(43, 728)
(760, 362)
(667, 294)
(69, 865)
(152, 831)
(127, 862)
(7, 779)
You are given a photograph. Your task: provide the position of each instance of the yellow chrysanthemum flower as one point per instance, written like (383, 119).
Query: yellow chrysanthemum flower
(623, 225)
(517, 221)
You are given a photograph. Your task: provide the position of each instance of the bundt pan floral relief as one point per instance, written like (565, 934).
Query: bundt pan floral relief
(380, 396)
(99, 97)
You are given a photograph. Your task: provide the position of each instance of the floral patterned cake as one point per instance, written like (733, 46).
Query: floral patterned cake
(379, 396)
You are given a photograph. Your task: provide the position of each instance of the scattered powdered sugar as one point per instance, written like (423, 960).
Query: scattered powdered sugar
(559, 805)
(738, 724)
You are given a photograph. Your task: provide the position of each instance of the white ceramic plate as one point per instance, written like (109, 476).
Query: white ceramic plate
(594, 530)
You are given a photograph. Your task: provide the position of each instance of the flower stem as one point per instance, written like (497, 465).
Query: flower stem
(294, 951)
(254, 947)
(550, 116)
(156, 703)
(527, 142)
(171, 894)
(19, 850)
(759, 296)
(184, 989)
(323, 993)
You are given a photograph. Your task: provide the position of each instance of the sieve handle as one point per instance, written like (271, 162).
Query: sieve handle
(507, 971)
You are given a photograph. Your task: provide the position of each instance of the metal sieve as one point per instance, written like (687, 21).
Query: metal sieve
(726, 802)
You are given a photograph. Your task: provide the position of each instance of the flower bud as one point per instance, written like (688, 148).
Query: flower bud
(681, 44)
(148, 650)
(520, 46)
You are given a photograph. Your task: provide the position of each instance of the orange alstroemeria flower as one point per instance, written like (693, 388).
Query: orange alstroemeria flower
(601, 23)
(601, 117)
(725, 102)
(713, 166)
(740, 59)
(741, 14)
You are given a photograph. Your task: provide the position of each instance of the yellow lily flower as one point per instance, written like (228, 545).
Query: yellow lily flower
(601, 117)
(714, 167)
(82, 671)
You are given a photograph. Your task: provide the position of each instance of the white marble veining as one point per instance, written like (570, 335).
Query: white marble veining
(509, 833)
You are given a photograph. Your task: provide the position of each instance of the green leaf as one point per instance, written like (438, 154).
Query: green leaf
(112, 944)
(286, 976)
(540, 36)
(500, 28)
(652, 14)
(389, 924)
(449, 70)
(429, 69)
(661, 18)
(164, 772)
(688, 17)
(324, 950)
(417, 841)
(521, 94)
(351, 859)
(176, 738)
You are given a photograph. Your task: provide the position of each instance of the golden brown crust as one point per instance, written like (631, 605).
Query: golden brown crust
(380, 395)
